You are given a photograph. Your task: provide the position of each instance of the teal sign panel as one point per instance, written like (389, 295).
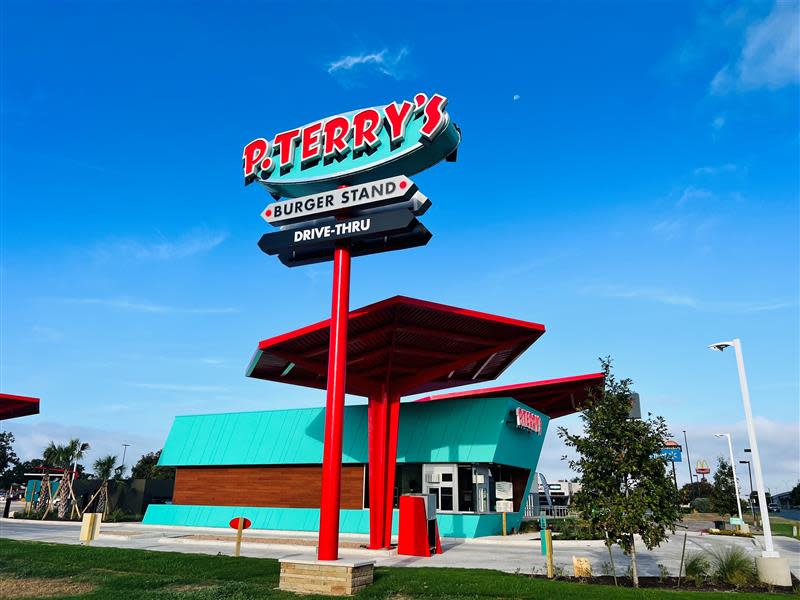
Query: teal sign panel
(353, 148)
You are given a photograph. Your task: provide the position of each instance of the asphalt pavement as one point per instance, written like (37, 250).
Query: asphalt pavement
(516, 553)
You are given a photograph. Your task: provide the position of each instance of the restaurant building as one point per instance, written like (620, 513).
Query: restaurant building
(266, 465)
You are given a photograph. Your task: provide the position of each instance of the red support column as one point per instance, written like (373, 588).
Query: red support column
(383, 413)
(328, 548)
(392, 422)
(376, 423)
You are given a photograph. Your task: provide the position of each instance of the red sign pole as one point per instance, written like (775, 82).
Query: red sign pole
(328, 548)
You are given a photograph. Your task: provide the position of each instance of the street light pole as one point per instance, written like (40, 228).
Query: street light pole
(124, 451)
(733, 469)
(750, 497)
(689, 464)
(769, 551)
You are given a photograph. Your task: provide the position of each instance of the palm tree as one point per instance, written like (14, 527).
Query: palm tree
(64, 456)
(104, 467)
(55, 455)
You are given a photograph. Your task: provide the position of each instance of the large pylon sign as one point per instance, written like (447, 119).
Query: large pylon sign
(342, 189)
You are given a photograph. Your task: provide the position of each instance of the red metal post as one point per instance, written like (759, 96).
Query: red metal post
(376, 424)
(383, 413)
(328, 547)
(390, 463)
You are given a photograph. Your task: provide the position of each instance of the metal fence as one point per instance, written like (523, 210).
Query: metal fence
(533, 510)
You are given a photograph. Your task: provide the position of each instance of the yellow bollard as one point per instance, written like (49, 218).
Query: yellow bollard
(548, 536)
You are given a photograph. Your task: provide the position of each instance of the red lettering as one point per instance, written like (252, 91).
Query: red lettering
(286, 143)
(311, 147)
(397, 118)
(255, 155)
(337, 133)
(420, 100)
(366, 125)
(436, 119)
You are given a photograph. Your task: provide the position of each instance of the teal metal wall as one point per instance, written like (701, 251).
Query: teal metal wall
(307, 519)
(444, 431)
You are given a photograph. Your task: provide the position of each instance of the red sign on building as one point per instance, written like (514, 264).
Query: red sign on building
(528, 420)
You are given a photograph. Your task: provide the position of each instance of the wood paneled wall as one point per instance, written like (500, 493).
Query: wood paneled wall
(283, 486)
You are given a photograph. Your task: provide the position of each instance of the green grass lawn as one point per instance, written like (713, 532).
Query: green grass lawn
(781, 526)
(92, 572)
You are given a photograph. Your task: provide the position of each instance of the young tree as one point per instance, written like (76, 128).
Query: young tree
(626, 489)
(692, 491)
(723, 492)
(147, 468)
(8, 458)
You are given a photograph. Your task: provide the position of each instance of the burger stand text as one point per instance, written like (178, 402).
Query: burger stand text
(346, 192)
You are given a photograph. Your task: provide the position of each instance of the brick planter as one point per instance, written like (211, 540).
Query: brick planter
(333, 578)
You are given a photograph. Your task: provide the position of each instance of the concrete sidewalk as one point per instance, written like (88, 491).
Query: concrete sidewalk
(517, 553)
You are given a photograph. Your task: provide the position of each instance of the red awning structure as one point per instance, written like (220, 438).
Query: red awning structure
(553, 397)
(17, 406)
(410, 346)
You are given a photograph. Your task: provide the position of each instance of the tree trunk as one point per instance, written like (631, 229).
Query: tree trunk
(634, 571)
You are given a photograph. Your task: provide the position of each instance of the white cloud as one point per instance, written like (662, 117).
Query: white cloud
(389, 64)
(195, 242)
(692, 194)
(32, 436)
(669, 229)
(770, 57)
(348, 62)
(516, 97)
(127, 304)
(672, 298)
(711, 170)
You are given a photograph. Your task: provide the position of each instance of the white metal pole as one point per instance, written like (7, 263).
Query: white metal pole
(769, 550)
(735, 481)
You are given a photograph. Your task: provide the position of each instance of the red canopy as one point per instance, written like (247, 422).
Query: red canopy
(17, 406)
(553, 397)
(409, 345)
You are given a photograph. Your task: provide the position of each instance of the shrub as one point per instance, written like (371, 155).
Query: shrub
(733, 566)
(697, 567)
(119, 516)
(571, 528)
(702, 505)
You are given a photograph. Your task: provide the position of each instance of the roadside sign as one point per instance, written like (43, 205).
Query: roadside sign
(239, 524)
(234, 523)
(413, 237)
(504, 506)
(343, 200)
(353, 148)
(672, 454)
(326, 232)
(736, 521)
(504, 490)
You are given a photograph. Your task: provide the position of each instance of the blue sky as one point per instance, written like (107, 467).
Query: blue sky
(628, 177)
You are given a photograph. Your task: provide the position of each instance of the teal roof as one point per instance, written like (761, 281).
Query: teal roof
(472, 430)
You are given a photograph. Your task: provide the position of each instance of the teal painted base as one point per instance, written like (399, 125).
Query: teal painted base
(307, 519)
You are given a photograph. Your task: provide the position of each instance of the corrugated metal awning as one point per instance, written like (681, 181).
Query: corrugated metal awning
(17, 406)
(411, 346)
(552, 397)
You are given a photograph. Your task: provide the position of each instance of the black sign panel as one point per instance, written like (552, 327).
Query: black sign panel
(409, 237)
(325, 234)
